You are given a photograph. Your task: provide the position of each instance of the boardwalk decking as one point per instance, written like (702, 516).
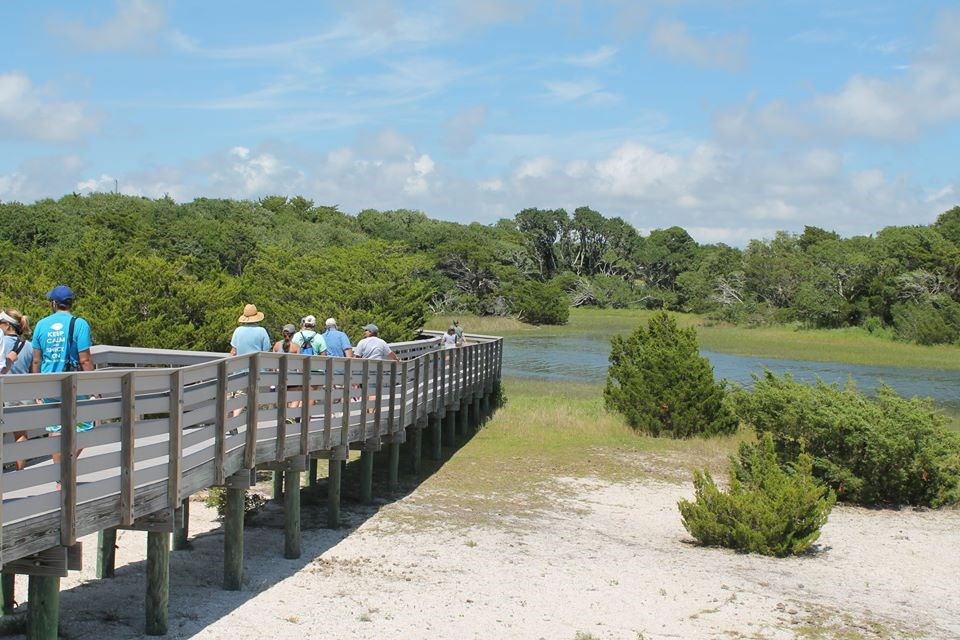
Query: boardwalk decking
(172, 423)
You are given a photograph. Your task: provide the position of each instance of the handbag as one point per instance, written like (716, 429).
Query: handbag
(68, 364)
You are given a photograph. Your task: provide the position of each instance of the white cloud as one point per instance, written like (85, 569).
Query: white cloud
(136, 25)
(460, 132)
(596, 58)
(32, 113)
(579, 91)
(671, 38)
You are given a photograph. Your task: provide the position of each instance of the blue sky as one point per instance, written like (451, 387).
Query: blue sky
(731, 119)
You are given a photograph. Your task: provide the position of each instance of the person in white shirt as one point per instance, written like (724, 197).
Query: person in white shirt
(372, 346)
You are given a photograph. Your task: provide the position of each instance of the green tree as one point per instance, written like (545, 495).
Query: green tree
(660, 383)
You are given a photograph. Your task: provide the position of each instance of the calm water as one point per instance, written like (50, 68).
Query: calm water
(585, 359)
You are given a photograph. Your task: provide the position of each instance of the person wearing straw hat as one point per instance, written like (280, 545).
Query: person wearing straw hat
(249, 337)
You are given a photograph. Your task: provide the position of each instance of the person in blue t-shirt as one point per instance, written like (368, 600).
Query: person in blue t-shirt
(55, 347)
(50, 339)
(338, 343)
(249, 337)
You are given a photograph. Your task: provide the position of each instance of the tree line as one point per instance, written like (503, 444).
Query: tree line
(157, 273)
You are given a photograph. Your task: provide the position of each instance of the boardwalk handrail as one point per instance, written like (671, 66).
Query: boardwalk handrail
(171, 423)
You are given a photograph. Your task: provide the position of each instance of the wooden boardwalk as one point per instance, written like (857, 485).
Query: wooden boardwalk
(172, 423)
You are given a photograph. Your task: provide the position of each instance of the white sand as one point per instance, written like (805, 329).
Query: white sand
(613, 563)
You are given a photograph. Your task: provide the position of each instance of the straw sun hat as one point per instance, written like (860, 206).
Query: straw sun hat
(250, 314)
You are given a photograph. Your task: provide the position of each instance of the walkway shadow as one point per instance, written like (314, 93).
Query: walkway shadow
(114, 608)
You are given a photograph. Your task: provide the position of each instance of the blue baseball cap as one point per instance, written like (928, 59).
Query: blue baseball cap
(60, 293)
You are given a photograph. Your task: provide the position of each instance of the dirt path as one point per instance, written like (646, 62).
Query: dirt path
(614, 562)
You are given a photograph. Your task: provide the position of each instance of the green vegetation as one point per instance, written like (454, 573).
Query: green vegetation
(882, 450)
(660, 383)
(161, 274)
(768, 510)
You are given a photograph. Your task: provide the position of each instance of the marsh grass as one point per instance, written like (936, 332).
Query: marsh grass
(850, 345)
(544, 444)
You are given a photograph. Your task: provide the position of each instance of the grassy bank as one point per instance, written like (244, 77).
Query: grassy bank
(547, 432)
(853, 346)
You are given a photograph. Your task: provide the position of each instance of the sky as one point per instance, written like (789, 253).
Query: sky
(732, 119)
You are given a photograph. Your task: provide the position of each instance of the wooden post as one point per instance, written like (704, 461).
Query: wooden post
(106, 552)
(158, 582)
(233, 539)
(463, 418)
(291, 515)
(475, 405)
(416, 450)
(9, 593)
(43, 595)
(449, 427)
(437, 449)
(333, 493)
(277, 486)
(366, 476)
(181, 526)
(394, 479)
(315, 464)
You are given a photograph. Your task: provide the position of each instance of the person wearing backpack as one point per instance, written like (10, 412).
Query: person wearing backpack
(311, 343)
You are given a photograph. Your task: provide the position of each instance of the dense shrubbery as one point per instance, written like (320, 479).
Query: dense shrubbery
(660, 383)
(882, 450)
(767, 510)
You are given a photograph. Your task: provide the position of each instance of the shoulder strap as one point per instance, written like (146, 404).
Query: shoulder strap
(18, 345)
(73, 321)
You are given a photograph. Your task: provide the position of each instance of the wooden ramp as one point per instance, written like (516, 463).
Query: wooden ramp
(172, 423)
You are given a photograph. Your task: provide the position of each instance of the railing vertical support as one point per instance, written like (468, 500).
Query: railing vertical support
(220, 444)
(158, 582)
(68, 463)
(462, 418)
(449, 427)
(277, 487)
(253, 404)
(175, 449)
(128, 420)
(233, 539)
(9, 593)
(291, 515)
(314, 470)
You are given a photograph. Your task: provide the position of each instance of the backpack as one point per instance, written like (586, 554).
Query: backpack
(306, 349)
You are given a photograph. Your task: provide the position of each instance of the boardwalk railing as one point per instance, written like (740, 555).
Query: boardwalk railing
(172, 423)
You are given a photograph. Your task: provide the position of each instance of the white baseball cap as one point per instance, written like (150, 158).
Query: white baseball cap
(309, 321)
(331, 322)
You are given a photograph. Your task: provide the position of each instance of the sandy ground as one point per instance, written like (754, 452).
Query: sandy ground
(612, 562)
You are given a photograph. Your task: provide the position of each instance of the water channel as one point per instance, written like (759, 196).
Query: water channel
(584, 359)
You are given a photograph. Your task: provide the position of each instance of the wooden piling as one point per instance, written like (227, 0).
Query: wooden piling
(475, 413)
(233, 539)
(277, 486)
(462, 418)
(366, 476)
(106, 552)
(449, 428)
(314, 472)
(43, 595)
(181, 526)
(333, 493)
(394, 479)
(9, 593)
(416, 450)
(158, 582)
(291, 515)
(437, 448)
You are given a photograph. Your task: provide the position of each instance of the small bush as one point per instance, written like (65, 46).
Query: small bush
(768, 510)
(217, 499)
(934, 321)
(882, 450)
(660, 383)
(539, 303)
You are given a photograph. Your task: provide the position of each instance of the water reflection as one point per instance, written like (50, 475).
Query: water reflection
(585, 359)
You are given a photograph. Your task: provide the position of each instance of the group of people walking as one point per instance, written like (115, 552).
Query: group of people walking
(250, 336)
